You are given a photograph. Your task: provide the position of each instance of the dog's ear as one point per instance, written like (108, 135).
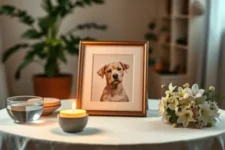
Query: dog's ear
(101, 72)
(125, 66)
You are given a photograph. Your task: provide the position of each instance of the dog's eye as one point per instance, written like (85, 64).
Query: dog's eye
(109, 71)
(118, 69)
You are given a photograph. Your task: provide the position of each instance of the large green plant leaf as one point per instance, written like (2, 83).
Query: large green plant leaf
(88, 38)
(26, 61)
(86, 26)
(98, 1)
(7, 9)
(12, 50)
(71, 44)
(45, 23)
(83, 3)
(60, 53)
(24, 17)
(91, 26)
(47, 6)
(39, 48)
(63, 2)
(12, 11)
(32, 34)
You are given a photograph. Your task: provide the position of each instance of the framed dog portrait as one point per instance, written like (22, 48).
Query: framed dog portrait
(112, 78)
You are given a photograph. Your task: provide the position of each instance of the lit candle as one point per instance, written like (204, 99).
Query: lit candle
(73, 113)
(73, 120)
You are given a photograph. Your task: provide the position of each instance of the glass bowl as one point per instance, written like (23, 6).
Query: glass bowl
(24, 109)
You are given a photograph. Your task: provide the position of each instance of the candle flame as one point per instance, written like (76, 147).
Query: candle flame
(74, 105)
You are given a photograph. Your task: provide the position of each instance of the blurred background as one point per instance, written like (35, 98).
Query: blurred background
(187, 41)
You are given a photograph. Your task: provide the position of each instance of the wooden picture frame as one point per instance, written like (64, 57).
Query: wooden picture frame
(105, 72)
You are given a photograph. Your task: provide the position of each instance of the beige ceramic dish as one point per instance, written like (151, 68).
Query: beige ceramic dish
(50, 105)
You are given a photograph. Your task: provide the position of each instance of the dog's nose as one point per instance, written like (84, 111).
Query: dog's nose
(115, 76)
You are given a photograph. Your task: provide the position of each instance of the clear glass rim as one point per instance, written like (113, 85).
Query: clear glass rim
(12, 98)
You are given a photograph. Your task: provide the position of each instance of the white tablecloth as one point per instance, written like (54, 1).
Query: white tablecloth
(111, 133)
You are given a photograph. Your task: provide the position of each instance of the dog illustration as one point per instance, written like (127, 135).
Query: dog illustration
(114, 91)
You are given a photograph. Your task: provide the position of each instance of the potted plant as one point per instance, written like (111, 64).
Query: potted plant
(45, 44)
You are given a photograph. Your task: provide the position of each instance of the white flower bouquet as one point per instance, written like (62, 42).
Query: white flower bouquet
(189, 107)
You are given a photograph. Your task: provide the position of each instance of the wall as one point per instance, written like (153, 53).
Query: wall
(126, 20)
(3, 87)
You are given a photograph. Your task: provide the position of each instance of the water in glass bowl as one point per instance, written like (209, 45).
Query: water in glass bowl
(23, 109)
(21, 113)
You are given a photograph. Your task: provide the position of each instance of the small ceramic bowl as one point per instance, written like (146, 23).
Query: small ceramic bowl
(72, 125)
(49, 110)
(50, 105)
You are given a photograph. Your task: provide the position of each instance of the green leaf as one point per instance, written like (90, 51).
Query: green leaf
(39, 48)
(71, 44)
(7, 9)
(88, 2)
(150, 36)
(89, 38)
(12, 11)
(63, 58)
(79, 4)
(13, 49)
(99, 1)
(74, 39)
(47, 6)
(61, 54)
(24, 17)
(90, 26)
(151, 26)
(46, 22)
(173, 118)
(63, 2)
(31, 34)
(26, 61)
(82, 3)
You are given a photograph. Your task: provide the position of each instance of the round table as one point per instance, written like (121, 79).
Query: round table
(111, 133)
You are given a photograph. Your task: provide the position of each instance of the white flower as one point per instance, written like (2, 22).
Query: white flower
(214, 109)
(190, 105)
(185, 117)
(171, 89)
(163, 106)
(183, 93)
(163, 109)
(200, 100)
(205, 113)
(196, 91)
(186, 101)
(173, 103)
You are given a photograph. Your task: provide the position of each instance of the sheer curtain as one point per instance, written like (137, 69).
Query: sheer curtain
(3, 87)
(215, 55)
